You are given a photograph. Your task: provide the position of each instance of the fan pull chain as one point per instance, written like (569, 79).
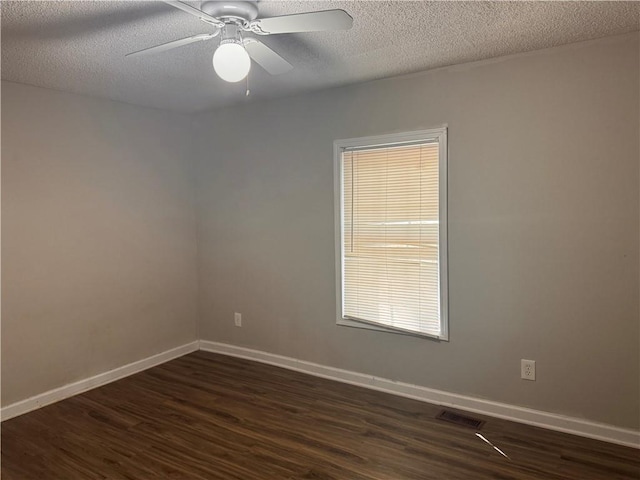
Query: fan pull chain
(248, 91)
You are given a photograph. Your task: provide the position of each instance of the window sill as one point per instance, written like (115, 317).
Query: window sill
(344, 322)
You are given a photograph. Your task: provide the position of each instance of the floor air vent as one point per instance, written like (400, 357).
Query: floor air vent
(458, 419)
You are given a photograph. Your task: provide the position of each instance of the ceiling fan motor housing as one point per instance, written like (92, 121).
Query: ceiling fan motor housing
(239, 11)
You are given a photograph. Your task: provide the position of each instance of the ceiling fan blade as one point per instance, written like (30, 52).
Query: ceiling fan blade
(303, 22)
(195, 12)
(173, 44)
(265, 57)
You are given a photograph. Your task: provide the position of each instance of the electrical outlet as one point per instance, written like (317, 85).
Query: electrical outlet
(528, 369)
(237, 318)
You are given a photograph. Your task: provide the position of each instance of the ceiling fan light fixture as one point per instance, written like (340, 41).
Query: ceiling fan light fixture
(231, 61)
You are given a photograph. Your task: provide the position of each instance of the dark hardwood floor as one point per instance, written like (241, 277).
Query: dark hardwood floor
(207, 416)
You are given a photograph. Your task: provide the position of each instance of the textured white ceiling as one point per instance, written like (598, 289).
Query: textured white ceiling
(79, 46)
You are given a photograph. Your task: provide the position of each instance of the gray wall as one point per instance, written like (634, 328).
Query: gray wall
(544, 189)
(98, 237)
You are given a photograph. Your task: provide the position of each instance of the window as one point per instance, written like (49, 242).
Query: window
(391, 226)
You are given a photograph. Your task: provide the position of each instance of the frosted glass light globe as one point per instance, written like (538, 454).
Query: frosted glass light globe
(231, 62)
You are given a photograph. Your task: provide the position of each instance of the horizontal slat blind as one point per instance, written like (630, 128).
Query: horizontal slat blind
(390, 237)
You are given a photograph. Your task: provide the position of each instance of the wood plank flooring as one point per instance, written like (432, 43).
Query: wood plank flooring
(207, 416)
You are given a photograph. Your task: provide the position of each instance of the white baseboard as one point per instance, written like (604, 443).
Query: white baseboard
(81, 386)
(551, 421)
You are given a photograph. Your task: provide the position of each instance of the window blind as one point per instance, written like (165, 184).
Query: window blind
(390, 216)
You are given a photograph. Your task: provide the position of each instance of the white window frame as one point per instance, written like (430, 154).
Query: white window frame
(435, 134)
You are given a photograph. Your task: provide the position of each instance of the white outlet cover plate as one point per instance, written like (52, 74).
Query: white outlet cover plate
(528, 369)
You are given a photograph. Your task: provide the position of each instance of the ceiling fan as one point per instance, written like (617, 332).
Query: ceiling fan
(232, 58)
